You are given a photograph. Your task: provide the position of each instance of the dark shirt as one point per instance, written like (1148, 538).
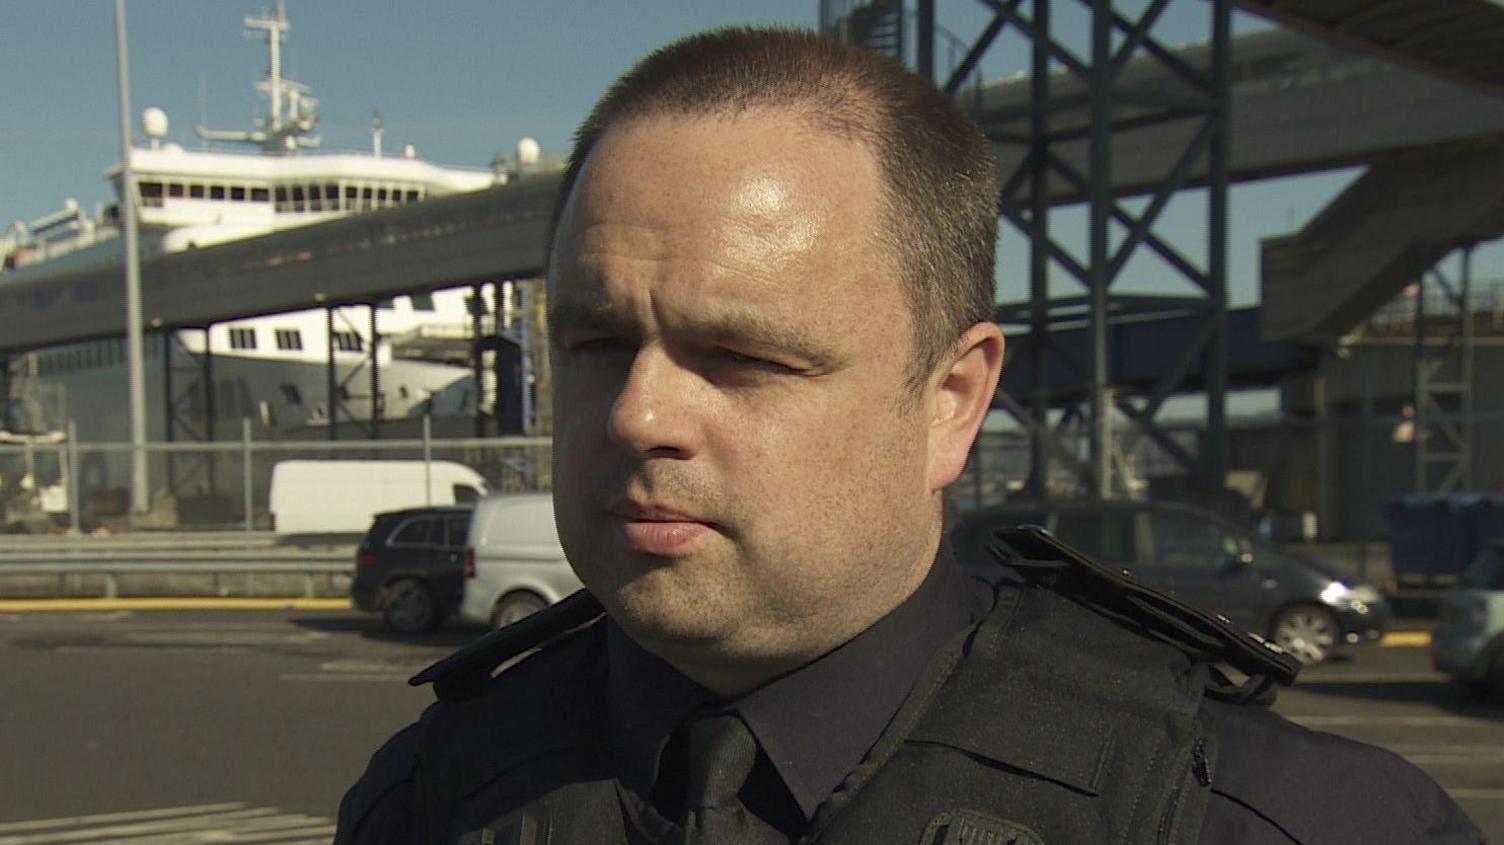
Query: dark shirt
(814, 724)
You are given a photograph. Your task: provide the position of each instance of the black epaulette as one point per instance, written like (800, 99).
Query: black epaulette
(1040, 558)
(465, 673)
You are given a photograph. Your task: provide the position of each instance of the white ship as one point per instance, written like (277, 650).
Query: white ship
(273, 371)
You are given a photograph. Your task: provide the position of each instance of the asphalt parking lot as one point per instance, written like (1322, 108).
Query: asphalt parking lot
(252, 723)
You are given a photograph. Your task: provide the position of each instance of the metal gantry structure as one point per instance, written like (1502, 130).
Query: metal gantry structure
(1444, 381)
(1117, 231)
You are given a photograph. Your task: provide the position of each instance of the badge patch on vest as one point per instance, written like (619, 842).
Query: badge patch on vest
(964, 827)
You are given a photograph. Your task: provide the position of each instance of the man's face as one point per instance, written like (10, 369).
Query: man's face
(739, 464)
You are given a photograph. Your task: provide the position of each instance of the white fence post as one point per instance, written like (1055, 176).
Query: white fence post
(427, 460)
(75, 522)
(245, 464)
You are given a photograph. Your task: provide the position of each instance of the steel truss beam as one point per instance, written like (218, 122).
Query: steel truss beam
(1024, 202)
(189, 409)
(338, 389)
(1444, 384)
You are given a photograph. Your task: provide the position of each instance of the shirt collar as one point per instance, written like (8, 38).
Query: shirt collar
(816, 723)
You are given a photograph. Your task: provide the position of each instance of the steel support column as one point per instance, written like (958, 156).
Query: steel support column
(331, 377)
(1040, 436)
(376, 403)
(477, 353)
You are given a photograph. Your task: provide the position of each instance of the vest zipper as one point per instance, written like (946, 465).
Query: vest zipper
(1202, 773)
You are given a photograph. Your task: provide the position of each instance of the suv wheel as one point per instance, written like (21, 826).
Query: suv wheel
(515, 606)
(409, 607)
(1308, 632)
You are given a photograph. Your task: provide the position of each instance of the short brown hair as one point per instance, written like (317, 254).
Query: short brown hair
(940, 190)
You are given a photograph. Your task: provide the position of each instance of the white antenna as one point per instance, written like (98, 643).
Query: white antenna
(376, 126)
(284, 130)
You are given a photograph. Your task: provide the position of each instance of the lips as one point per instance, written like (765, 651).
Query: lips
(660, 531)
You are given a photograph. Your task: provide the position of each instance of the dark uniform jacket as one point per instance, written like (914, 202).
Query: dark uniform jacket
(1005, 712)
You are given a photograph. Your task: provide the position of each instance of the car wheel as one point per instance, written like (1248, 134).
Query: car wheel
(515, 606)
(409, 607)
(1307, 632)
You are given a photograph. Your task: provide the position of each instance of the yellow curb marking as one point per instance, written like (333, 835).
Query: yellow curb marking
(1406, 639)
(72, 605)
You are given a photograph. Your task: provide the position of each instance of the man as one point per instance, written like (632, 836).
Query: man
(770, 289)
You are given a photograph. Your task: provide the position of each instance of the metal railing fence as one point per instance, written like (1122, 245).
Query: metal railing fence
(82, 487)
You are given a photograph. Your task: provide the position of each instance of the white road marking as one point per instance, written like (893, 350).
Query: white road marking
(1344, 721)
(104, 818)
(192, 825)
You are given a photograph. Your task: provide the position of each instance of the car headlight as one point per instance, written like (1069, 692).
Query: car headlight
(1336, 593)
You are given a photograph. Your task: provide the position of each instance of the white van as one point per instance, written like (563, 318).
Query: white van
(342, 497)
(514, 564)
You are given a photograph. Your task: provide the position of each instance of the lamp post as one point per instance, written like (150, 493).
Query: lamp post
(136, 377)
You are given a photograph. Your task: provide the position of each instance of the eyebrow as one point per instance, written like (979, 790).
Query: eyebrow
(733, 325)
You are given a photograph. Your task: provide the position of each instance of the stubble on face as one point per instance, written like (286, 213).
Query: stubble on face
(729, 345)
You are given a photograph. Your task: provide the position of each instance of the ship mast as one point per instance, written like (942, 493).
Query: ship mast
(277, 135)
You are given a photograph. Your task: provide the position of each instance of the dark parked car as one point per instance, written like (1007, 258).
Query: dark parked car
(410, 567)
(1310, 609)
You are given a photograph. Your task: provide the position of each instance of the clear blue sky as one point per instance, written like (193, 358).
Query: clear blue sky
(459, 79)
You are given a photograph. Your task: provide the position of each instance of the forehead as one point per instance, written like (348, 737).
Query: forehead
(764, 179)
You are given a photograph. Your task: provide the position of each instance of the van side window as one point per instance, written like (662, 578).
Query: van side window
(464, 493)
(414, 532)
(1101, 535)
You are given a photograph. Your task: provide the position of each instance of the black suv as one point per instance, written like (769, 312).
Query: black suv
(410, 567)
(1307, 607)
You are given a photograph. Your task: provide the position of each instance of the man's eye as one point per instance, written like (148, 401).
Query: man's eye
(738, 359)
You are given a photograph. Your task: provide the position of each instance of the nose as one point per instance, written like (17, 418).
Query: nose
(652, 415)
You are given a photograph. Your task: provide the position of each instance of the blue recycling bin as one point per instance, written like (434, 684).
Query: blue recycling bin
(1433, 538)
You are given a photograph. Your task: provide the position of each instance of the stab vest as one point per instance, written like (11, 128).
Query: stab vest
(1070, 714)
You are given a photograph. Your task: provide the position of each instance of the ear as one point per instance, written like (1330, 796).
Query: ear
(962, 396)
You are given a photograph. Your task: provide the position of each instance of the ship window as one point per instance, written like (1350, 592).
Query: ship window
(421, 301)
(331, 198)
(352, 197)
(259, 195)
(380, 196)
(216, 192)
(291, 393)
(297, 198)
(388, 304)
(289, 339)
(151, 194)
(315, 198)
(242, 338)
(366, 196)
(196, 192)
(348, 342)
(281, 199)
(175, 190)
(237, 192)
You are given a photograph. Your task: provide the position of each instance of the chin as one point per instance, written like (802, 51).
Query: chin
(657, 606)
